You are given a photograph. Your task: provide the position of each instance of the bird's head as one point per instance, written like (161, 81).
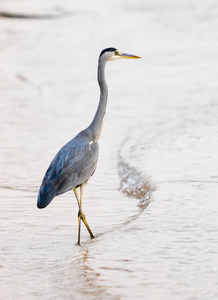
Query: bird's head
(114, 54)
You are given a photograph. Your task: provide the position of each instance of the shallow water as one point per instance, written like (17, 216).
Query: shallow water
(152, 202)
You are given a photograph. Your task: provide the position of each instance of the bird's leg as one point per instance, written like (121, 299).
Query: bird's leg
(79, 228)
(81, 214)
(76, 195)
(77, 198)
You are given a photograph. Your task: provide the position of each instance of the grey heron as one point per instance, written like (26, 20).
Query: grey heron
(76, 161)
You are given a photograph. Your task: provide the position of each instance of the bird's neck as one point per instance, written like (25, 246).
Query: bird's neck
(97, 123)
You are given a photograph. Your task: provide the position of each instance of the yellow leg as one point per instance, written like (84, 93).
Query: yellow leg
(80, 213)
(79, 229)
(77, 195)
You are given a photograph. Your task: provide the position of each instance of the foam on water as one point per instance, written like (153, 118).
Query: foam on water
(133, 184)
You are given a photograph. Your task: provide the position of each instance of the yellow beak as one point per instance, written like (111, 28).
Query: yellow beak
(126, 55)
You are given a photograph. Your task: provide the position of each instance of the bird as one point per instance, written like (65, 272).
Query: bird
(76, 161)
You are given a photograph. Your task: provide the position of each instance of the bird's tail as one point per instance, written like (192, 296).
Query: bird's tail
(45, 196)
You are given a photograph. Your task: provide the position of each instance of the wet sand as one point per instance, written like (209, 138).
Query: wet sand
(152, 202)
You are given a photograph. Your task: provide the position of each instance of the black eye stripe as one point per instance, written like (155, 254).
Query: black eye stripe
(111, 49)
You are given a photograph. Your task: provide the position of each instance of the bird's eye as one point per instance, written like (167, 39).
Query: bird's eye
(117, 52)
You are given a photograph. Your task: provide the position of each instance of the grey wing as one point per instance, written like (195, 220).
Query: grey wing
(84, 164)
(75, 167)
